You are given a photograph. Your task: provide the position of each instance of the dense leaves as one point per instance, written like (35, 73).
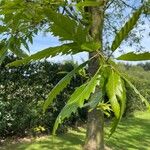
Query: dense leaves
(18, 24)
(28, 93)
(140, 79)
(21, 100)
(138, 93)
(67, 22)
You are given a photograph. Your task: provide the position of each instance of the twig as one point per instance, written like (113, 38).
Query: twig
(109, 56)
(128, 5)
(109, 4)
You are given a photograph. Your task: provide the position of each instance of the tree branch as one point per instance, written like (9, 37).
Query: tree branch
(128, 5)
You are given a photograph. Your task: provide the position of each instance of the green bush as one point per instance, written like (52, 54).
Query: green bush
(23, 91)
(141, 79)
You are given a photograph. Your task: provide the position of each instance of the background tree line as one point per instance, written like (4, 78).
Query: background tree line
(23, 91)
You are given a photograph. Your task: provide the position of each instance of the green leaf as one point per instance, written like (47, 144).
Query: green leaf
(70, 48)
(3, 52)
(94, 100)
(3, 29)
(19, 52)
(77, 99)
(65, 28)
(135, 57)
(25, 44)
(114, 125)
(89, 3)
(15, 45)
(111, 89)
(137, 92)
(122, 101)
(122, 34)
(99, 95)
(116, 93)
(4, 46)
(61, 85)
(3, 55)
(91, 46)
(69, 108)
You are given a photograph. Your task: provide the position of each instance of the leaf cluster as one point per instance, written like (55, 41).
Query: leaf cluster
(78, 39)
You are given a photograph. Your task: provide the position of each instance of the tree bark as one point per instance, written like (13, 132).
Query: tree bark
(95, 132)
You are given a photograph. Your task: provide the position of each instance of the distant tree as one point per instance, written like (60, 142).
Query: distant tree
(87, 26)
(146, 66)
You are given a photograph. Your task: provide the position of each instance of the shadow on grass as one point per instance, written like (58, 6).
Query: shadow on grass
(68, 141)
(131, 134)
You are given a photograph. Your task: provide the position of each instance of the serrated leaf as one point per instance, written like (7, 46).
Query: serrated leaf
(24, 43)
(98, 96)
(111, 89)
(122, 34)
(68, 109)
(19, 52)
(15, 45)
(135, 57)
(116, 93)
(65, 28)
(61, 85)
(122, 101)
(91, 46)
(77, 99)
(70, 48)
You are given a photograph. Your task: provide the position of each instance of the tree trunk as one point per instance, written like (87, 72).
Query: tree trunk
(95, 132)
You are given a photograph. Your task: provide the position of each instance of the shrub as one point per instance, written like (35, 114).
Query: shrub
(23, 91)
(141, 79)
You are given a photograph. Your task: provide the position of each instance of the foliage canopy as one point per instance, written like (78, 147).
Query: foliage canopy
(71, 23)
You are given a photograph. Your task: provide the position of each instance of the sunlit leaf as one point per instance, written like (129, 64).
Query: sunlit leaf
(91, 46)
(88, 3)
(116, 93)
(65, 28)
(70, 48)
(135, 57)
(61, 85)
(77, 99)
(123, 33)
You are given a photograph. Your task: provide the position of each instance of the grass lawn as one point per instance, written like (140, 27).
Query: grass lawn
(132, 134)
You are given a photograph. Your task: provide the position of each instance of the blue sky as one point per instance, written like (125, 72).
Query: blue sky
(42, 41)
